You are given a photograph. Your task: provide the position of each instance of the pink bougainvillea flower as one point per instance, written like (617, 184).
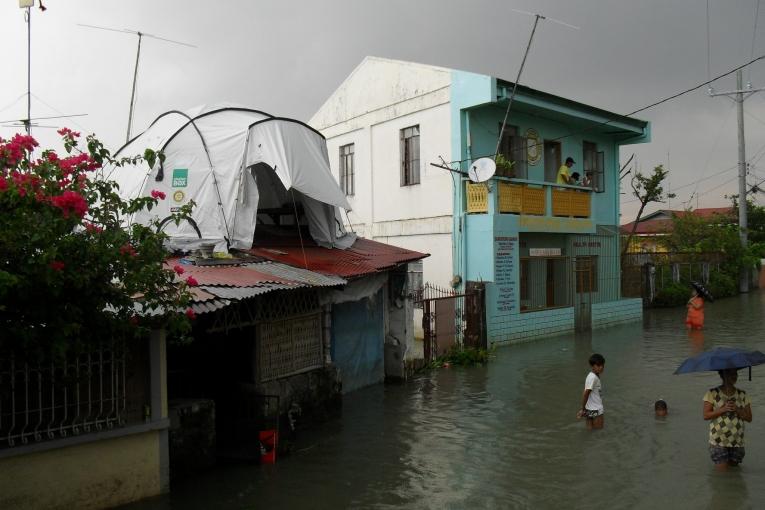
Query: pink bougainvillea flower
(57, 265)
(71, 202)
(192, 281)
(68, 132)
(127, 249)
(93, 229)
(190, 314)
(155, 193)
(178, 270)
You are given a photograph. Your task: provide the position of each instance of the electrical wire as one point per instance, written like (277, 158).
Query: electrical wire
(754, 35)
(709, 61)
(642, 109)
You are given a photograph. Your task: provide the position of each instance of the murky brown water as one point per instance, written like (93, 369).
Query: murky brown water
(504, 435)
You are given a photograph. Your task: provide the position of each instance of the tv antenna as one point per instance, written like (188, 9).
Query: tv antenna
(27, 122)
(140, 35)
(537, 17)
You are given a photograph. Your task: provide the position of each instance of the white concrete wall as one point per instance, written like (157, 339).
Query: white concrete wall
(369, 109)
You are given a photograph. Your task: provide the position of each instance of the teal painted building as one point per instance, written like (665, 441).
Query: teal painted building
(548, 253)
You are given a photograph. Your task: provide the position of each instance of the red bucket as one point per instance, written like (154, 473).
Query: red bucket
(268, 442)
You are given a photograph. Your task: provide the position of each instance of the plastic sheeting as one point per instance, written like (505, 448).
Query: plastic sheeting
(209, 157)
(355, 290)
(357, 341)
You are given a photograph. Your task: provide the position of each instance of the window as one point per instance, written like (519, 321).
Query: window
(415, 282)
(410, 155)
(347, 182)
(513, 148)
(594, 176)
(586, 274)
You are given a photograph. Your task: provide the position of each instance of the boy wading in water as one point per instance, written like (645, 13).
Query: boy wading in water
(727, 408)
(592, 405)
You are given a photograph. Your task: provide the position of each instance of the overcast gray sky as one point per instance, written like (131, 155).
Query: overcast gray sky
(286, 57)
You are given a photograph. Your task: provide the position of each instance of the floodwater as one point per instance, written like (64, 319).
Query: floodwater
(505, 435)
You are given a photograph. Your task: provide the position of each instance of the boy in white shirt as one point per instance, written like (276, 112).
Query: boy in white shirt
(592, 404)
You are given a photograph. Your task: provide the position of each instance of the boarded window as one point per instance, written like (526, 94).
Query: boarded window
(347, 181)
(289, 346)
(410, 155)
(586, 274)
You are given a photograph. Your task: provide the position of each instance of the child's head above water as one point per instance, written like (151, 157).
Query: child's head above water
(598, 363)
(660, 407)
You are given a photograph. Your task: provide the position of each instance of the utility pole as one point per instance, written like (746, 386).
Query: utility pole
(739, 95)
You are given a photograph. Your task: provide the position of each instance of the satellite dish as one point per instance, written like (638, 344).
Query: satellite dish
(482, 169)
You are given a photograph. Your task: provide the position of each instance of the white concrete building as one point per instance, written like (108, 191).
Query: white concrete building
(384, 125)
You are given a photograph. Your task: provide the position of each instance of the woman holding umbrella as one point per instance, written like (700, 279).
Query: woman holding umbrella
(695, 317)
(727, 408)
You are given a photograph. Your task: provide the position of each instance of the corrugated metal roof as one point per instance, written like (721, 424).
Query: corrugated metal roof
(280, 264)
(297, 274)
(364, 257)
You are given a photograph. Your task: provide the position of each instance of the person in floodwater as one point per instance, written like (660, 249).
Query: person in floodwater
(727, 408)
(660, 408)
(592, 404)
(695, 317)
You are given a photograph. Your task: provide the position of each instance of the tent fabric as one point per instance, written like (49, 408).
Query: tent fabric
(210, 154)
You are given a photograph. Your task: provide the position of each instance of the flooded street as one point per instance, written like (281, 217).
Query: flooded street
(505, 435)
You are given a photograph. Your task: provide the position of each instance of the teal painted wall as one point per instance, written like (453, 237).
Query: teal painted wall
(488, 247)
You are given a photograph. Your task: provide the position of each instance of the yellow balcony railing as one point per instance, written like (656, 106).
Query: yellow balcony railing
(570, 203)
(521, 199)
(477, 197)
(531, 199)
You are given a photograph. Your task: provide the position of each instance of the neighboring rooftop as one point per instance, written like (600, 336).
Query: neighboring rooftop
(284, 262)
(660, 222)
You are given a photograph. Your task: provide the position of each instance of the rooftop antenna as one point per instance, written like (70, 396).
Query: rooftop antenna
(27, 122)
(140, 35)
(537, 17)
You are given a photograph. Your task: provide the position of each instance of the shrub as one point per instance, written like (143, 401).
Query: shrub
(673, 294)
(459, 356)
(71, 272)
(722, 285)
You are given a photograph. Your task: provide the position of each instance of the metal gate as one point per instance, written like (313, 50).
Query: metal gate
(583, 285)
(453, 320)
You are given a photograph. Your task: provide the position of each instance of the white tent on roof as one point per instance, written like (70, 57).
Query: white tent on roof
(231, 161)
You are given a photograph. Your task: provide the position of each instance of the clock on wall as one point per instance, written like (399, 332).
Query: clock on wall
(533, 152)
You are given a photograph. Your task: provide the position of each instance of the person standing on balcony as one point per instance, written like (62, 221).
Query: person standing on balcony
(564, 177)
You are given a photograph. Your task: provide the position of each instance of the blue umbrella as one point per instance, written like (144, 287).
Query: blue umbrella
(720, 359)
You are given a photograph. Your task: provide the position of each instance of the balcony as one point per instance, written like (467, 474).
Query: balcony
(530, 198)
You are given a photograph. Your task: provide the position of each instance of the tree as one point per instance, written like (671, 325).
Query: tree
(72, 272)
(647, 189)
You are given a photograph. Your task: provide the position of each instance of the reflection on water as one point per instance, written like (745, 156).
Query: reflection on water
(505, 435)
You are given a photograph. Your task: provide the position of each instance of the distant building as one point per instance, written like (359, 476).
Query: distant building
(548, 252)
(654, 226)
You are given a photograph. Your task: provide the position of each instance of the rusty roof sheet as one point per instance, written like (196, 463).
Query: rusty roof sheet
(364, 257)
(297, 274)
(282, 263)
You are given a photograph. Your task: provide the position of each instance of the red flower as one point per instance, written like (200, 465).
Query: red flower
(68, 132)
(93, 229)
(192, 281)
(3, 183)
(190, 314)
(71, 202)
(133, 320)
(178, 270)
(155, 193)
(57, 265)
(127, 249)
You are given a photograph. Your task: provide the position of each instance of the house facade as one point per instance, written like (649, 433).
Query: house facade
(548, 252)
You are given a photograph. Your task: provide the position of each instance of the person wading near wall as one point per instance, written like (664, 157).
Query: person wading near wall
(727, 408)
(564, 177)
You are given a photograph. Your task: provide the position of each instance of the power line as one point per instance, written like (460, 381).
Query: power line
(644, 108)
